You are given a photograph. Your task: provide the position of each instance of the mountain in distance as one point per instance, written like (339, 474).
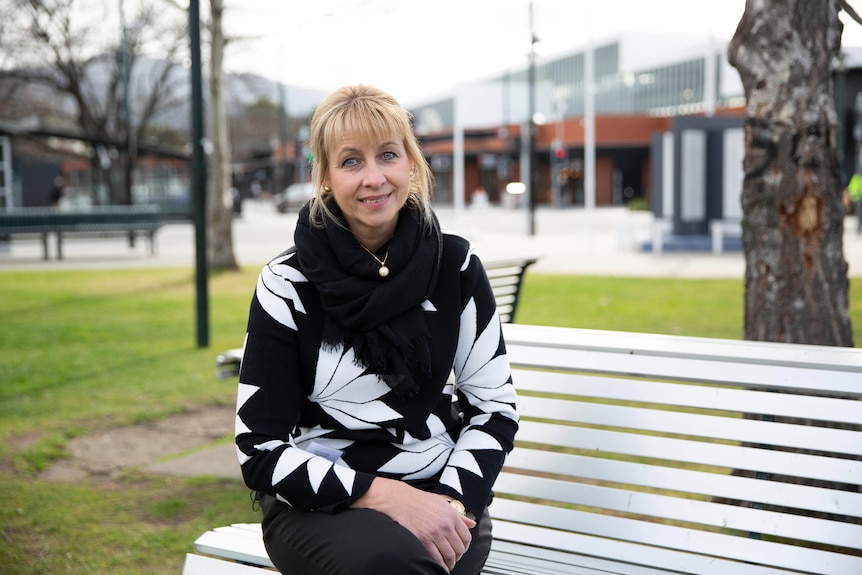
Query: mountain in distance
(242, 89)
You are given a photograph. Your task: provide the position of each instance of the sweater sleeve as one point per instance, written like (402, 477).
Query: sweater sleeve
(486, 395)
(269, 403)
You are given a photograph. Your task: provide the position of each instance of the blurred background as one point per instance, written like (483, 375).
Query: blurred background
(584, 104)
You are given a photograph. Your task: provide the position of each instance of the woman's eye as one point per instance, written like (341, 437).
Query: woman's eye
(389, 155)
(349, 162)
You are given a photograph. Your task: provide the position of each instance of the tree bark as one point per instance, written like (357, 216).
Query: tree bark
(220, 253)
(796, 286)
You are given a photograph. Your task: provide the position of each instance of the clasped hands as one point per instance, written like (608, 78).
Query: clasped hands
(443, 531)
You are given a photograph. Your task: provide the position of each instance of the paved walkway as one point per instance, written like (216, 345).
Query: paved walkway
(605, 241)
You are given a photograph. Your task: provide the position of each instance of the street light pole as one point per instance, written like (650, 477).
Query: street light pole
(589, 130)
(532, 172)
(199, 176)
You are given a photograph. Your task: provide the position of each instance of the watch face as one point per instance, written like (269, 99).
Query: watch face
(459, 507)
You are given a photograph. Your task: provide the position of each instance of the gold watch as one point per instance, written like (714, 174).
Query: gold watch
(459, 507)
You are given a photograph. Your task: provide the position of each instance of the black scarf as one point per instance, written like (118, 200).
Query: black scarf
(380, 318)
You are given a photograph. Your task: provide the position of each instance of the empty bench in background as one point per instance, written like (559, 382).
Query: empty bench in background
(644, 454)
(506, 278)
(96, 220)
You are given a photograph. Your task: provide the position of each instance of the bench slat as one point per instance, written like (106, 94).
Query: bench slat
(235, 544)
(686, 510)
(631, 558)
(693, 396)
(700, 425)
(250, 528)
(200, 565)
(672, 346)
(507, 563)
(758, 552)
(686, 481)
(686, 369)
(509, 557)
(504, 283)
(696, 452)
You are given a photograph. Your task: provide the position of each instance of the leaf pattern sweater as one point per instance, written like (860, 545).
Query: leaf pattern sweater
(314, 428)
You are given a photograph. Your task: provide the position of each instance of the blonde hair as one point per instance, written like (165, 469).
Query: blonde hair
(370, 116)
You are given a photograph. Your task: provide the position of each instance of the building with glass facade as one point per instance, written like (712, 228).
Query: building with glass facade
(640, 84)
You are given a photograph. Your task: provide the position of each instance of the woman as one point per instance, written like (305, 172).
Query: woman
(346, 425)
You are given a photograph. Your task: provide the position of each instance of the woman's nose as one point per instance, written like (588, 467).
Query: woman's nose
(373, 176)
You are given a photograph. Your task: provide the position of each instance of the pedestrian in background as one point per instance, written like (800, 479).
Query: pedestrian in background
(58, 187)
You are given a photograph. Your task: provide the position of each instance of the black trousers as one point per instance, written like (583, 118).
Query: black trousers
(356, 542)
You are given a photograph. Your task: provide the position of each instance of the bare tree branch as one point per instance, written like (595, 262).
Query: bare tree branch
(845, 5)
(88, 69)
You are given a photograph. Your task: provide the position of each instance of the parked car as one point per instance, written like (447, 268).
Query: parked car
(293, 197)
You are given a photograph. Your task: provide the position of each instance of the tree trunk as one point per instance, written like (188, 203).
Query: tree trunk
(796, 286)
(220, 205)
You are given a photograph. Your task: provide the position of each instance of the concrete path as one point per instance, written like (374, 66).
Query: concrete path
(605, 241)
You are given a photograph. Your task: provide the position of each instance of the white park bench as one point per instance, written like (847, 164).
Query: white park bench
(644, 454)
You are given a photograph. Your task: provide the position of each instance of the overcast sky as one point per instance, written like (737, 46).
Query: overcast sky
(420, 49)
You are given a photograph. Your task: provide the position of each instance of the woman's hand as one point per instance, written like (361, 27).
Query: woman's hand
(444, 532)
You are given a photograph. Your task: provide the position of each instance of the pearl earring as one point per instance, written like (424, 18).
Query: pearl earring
(327, 189)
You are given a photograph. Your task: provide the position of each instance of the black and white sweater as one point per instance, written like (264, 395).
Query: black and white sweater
(313, 428)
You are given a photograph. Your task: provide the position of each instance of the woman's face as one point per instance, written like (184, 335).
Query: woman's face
(370, 183)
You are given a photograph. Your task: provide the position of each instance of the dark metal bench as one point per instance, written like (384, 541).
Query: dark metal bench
(506, 277)
(102, 220)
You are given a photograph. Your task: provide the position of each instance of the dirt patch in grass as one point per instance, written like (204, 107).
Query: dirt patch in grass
(109, 452)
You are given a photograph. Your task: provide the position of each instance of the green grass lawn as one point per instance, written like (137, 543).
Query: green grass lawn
(86, 350)
(674, 306)
(709, 308)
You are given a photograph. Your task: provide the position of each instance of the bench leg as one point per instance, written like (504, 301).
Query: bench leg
(45, 255)
(59, 245)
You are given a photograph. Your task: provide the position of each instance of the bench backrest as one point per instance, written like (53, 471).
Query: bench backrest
(42, 219)
(685, 454)
(506, 278)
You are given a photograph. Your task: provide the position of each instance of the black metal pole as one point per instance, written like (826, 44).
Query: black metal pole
(199, 177)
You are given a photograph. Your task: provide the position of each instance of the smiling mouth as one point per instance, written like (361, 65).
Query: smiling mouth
(375, 200)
